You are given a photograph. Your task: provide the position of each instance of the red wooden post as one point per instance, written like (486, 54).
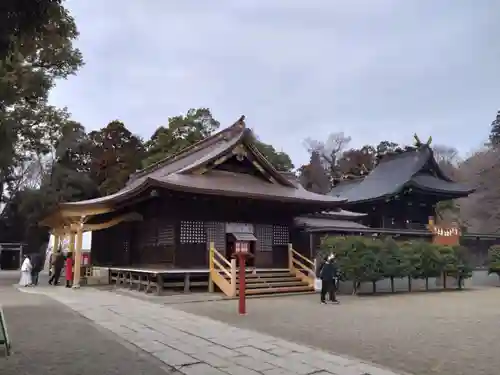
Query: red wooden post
(242, 300)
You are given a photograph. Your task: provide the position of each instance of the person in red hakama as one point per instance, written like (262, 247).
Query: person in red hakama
(69, 270)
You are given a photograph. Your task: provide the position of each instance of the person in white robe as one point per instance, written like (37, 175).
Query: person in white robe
(26, 268)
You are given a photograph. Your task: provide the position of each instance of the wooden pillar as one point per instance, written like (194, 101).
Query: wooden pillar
(290, 257)
(57, 238)
(233, 277)
(77, 255)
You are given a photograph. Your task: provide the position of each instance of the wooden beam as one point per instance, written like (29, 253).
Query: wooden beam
(77, 258)
(84, 211)
(207, 167)
(131, 216)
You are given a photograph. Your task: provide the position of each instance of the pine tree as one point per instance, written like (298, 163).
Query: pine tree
(495, 131)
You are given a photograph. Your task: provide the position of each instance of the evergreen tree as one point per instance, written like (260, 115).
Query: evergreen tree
(495, 131)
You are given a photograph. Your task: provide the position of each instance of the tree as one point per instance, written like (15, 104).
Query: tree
(279, 159)
(196, 125)
(181, 132)
(448, 160)
(36, 41)
(21, 18)
(412, 253)
(115, 154)
(431, 263)
(330, 152)
(463, 268)
(495, 131)
(313, 176)
(396, 264)
(373, 262)
(357, 162)
(449, 262)
(494, 260)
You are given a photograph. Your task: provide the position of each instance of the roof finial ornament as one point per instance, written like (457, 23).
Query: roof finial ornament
(418, 142)
(241, 121)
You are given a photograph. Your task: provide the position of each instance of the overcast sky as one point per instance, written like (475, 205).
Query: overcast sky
(375, 69)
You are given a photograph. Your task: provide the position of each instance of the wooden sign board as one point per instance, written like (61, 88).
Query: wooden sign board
(239, 228)
(4, 335)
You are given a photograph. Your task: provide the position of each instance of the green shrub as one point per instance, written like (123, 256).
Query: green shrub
(362, 259)
(464, 269)
(396, 263)
(494, 260)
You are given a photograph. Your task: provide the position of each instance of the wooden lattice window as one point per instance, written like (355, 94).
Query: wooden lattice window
(216, 233)
(193, 232)
(264, 234)
(281, 236)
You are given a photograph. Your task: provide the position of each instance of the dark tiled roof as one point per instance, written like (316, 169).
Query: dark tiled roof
(322, 222)
(431, 183)
(342, 214)
(397, 172)
(175, 173)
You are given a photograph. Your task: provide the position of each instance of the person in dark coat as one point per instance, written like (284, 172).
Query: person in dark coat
(37, 263)
(328, 275)
(58, 263)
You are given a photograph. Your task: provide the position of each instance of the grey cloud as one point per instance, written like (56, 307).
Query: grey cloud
(297, 69)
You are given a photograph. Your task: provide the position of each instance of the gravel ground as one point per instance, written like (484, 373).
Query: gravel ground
(43, 333)
(448, 333)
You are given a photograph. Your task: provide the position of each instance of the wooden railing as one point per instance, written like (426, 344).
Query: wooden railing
(222, 272)
(300, 266)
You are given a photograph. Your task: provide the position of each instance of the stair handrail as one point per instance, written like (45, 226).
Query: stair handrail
(219, 266)
(297, 267)
(307, 260)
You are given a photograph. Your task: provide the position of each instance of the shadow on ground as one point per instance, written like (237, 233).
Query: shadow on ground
(49, 338)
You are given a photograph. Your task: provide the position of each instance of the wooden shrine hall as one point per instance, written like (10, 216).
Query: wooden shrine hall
(179, 221)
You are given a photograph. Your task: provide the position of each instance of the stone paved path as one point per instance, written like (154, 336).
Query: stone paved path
(43, 333)
(201, 346)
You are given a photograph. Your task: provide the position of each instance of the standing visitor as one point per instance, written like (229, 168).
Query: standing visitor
(58, 264)
(36, 264)
(69, 270)
(26, 268)
(328, 275)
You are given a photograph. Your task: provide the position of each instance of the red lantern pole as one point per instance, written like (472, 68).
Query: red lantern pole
(242, 301)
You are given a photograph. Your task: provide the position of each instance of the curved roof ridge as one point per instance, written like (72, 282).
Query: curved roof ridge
(397, 155)
(265, 162)
(229, 132)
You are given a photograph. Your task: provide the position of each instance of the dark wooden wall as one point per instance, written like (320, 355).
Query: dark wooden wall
(112, 246)
(177, 228)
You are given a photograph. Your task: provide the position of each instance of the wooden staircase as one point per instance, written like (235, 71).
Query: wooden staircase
(297, 278)
(272, 282)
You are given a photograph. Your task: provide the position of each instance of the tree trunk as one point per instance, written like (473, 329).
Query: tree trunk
(392, 284)
(374, 287)
(459, 280)
(426, 283)
(409, 283)
(354, 288)
(444, 280)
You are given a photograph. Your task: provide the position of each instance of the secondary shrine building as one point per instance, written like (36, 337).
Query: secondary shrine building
(220, 190)
(402, 192)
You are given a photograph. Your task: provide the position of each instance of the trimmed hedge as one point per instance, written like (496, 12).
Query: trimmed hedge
(362, 260)
(494, 260)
